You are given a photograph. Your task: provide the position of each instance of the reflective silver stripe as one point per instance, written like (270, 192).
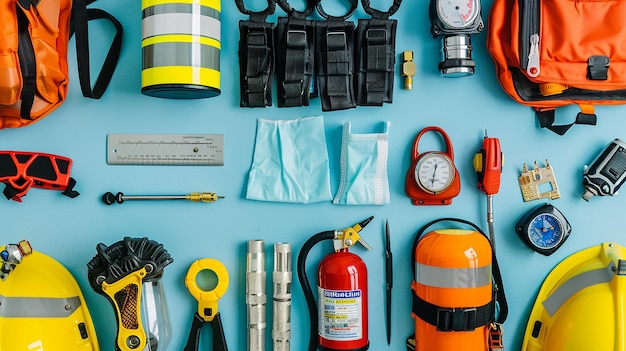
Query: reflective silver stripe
(180, 8)
(181, 54)
(440, 277)
(181, 23)
(576, 284)
(38, 307)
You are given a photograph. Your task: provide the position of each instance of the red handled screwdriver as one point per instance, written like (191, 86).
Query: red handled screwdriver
(488, 166)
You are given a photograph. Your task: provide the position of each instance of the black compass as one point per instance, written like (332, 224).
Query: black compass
(543, 229)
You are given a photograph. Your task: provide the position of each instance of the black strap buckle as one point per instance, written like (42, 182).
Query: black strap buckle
(598, 68)
(456, 319)
(293, 89)
(296, 39)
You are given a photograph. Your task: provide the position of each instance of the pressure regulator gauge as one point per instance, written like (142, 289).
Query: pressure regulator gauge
(457, 14)
(434, 172)
(455, 21)
(543, 229)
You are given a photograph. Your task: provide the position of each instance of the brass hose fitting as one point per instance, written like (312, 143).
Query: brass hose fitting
(408, 69)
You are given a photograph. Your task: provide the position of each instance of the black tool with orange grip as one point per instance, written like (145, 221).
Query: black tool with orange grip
(22, 170)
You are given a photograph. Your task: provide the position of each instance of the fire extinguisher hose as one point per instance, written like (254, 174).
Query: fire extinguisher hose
(304, 282)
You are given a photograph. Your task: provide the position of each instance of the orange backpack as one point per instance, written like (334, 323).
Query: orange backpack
(33, 56)
(551, 53)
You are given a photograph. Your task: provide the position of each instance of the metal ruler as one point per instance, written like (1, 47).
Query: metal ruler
(165, 149)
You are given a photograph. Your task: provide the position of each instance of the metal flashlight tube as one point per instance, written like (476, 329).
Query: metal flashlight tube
(282, 277)
(256, 295)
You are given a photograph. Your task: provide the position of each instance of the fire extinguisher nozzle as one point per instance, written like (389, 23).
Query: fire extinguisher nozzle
(366, 222)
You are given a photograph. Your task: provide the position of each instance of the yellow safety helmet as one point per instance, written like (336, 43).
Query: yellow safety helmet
(581, 304)
(42, 306)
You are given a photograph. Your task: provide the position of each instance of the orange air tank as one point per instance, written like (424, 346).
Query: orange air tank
(452, 287)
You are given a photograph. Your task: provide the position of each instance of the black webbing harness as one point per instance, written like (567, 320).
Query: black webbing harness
(376, 55)
(334, 44)
(295, 59)
(256, 56)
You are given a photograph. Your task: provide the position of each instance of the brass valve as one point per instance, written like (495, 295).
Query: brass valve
(408, 69)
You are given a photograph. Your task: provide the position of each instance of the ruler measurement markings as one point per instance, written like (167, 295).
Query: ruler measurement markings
(170, 149)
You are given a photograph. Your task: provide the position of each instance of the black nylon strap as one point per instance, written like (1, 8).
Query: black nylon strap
(453, 319)
(376, 55)
(256, 56)
(10, 191)
(256, 63)
(295, 61)
(80, 16)
(546, 120)
(28, 67)
(69, 191)
(376, 42)
(335, 64)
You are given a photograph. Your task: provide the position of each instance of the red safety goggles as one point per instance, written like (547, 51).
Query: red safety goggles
(22, 170)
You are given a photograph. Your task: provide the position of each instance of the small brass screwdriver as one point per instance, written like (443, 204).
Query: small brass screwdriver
(109, 198)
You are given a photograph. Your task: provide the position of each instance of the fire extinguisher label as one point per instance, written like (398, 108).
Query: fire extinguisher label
(339, 314)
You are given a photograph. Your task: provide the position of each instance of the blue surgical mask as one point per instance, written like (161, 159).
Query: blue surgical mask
(290, 162)
(363, 168)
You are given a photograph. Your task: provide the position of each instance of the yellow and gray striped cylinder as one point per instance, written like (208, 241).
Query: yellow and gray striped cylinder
(181, 48)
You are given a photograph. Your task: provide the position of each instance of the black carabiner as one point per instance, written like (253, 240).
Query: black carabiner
(353, 5)
(380, 14)
(258, 15)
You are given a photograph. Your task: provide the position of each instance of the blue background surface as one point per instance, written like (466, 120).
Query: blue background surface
(69, 229)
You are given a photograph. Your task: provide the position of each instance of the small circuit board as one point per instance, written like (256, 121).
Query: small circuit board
(539, 183)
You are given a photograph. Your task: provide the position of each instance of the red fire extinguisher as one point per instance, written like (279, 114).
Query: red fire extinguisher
(339, 319)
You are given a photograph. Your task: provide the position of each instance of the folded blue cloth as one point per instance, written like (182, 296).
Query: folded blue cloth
(290, 162)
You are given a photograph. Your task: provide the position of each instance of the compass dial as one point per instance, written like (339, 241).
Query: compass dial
(434, 173)
(458, 13)
(545, 231)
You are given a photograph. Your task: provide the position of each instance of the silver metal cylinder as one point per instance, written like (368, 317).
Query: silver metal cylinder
(282, 277)
(256, 297)
(456, 55)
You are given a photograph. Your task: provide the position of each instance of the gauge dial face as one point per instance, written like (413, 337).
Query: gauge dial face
(545, 231)
(458, 13)
(434, 173)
